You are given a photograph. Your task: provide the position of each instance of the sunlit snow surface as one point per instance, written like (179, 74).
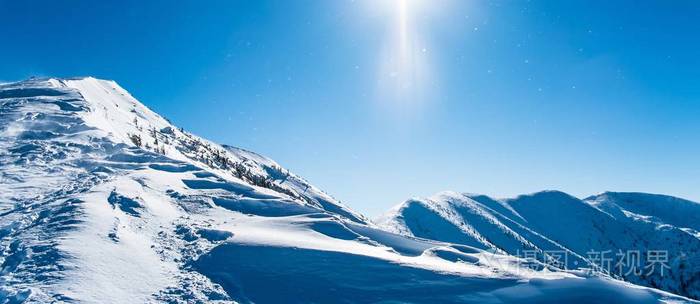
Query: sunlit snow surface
(583, 230)
(88, 216)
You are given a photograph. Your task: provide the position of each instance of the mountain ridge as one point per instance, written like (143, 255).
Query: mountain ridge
(105, 201)
(553, 220)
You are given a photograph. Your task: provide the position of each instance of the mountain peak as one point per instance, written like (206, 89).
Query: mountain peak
(547, 194)
(103, 109)
(104, 200)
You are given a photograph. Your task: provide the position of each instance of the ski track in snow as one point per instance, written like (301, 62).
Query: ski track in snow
(104, 201)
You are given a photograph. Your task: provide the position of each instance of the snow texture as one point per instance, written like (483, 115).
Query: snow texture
(553, 221)
(104, 201)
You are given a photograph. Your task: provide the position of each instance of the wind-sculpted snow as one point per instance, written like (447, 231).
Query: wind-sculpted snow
(104, 201)
(617, 234)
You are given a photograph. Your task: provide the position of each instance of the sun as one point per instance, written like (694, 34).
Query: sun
(406, 57)
(404, 63)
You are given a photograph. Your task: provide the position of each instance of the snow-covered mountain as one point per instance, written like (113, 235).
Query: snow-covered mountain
(651, 240)
(104, 201)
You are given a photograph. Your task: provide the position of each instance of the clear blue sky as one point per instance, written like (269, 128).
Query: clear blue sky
(376, 103)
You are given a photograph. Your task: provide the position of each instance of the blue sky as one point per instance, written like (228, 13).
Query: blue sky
(376, 102)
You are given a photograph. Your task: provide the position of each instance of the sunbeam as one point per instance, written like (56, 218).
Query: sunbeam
(405, 69)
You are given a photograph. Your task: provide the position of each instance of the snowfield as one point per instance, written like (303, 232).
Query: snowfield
(591, 232)
(104, 201)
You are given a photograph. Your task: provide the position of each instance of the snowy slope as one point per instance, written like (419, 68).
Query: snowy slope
(547, 223)
(104, 201)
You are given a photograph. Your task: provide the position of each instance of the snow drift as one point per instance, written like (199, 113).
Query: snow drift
(603, 232)
(104, 201)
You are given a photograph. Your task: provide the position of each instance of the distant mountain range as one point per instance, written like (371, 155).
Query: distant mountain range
(104, 201)
(625, 234)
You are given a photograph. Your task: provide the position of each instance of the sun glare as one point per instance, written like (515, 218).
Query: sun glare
(405, 66)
